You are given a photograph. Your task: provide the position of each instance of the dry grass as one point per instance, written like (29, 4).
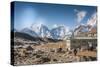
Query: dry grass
(87, 53)
(43, 52)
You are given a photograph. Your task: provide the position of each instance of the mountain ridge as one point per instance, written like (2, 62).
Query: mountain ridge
(43, 31)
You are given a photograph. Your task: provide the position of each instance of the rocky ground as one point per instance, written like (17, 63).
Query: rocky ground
(32, 52)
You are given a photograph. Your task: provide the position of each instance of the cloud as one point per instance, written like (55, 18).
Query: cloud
(40, 21)
(55, 25)
(62, 25)
(76, 10)
(80, 15)
(93, 20)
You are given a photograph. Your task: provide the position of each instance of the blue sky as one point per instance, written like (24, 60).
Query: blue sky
(27, 13)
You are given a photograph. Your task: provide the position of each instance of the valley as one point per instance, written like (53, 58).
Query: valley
(41, 51)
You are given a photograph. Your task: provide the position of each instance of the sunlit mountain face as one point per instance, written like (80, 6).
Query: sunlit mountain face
(43, 31)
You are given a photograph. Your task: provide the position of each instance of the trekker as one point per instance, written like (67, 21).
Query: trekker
(75, 52)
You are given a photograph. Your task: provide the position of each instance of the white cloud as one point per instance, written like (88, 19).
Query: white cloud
(40, 21)
(80, 15)
(55, 25)
(76, 10)
(65, 27)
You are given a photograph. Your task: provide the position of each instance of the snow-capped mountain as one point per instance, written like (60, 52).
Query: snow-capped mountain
(59, 32)
(80, 28)
(93, 20)
(41, 30)
(29, 31)
(91, 23)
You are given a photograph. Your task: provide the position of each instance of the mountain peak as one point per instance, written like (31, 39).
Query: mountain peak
(41, 30)
(29, 31)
